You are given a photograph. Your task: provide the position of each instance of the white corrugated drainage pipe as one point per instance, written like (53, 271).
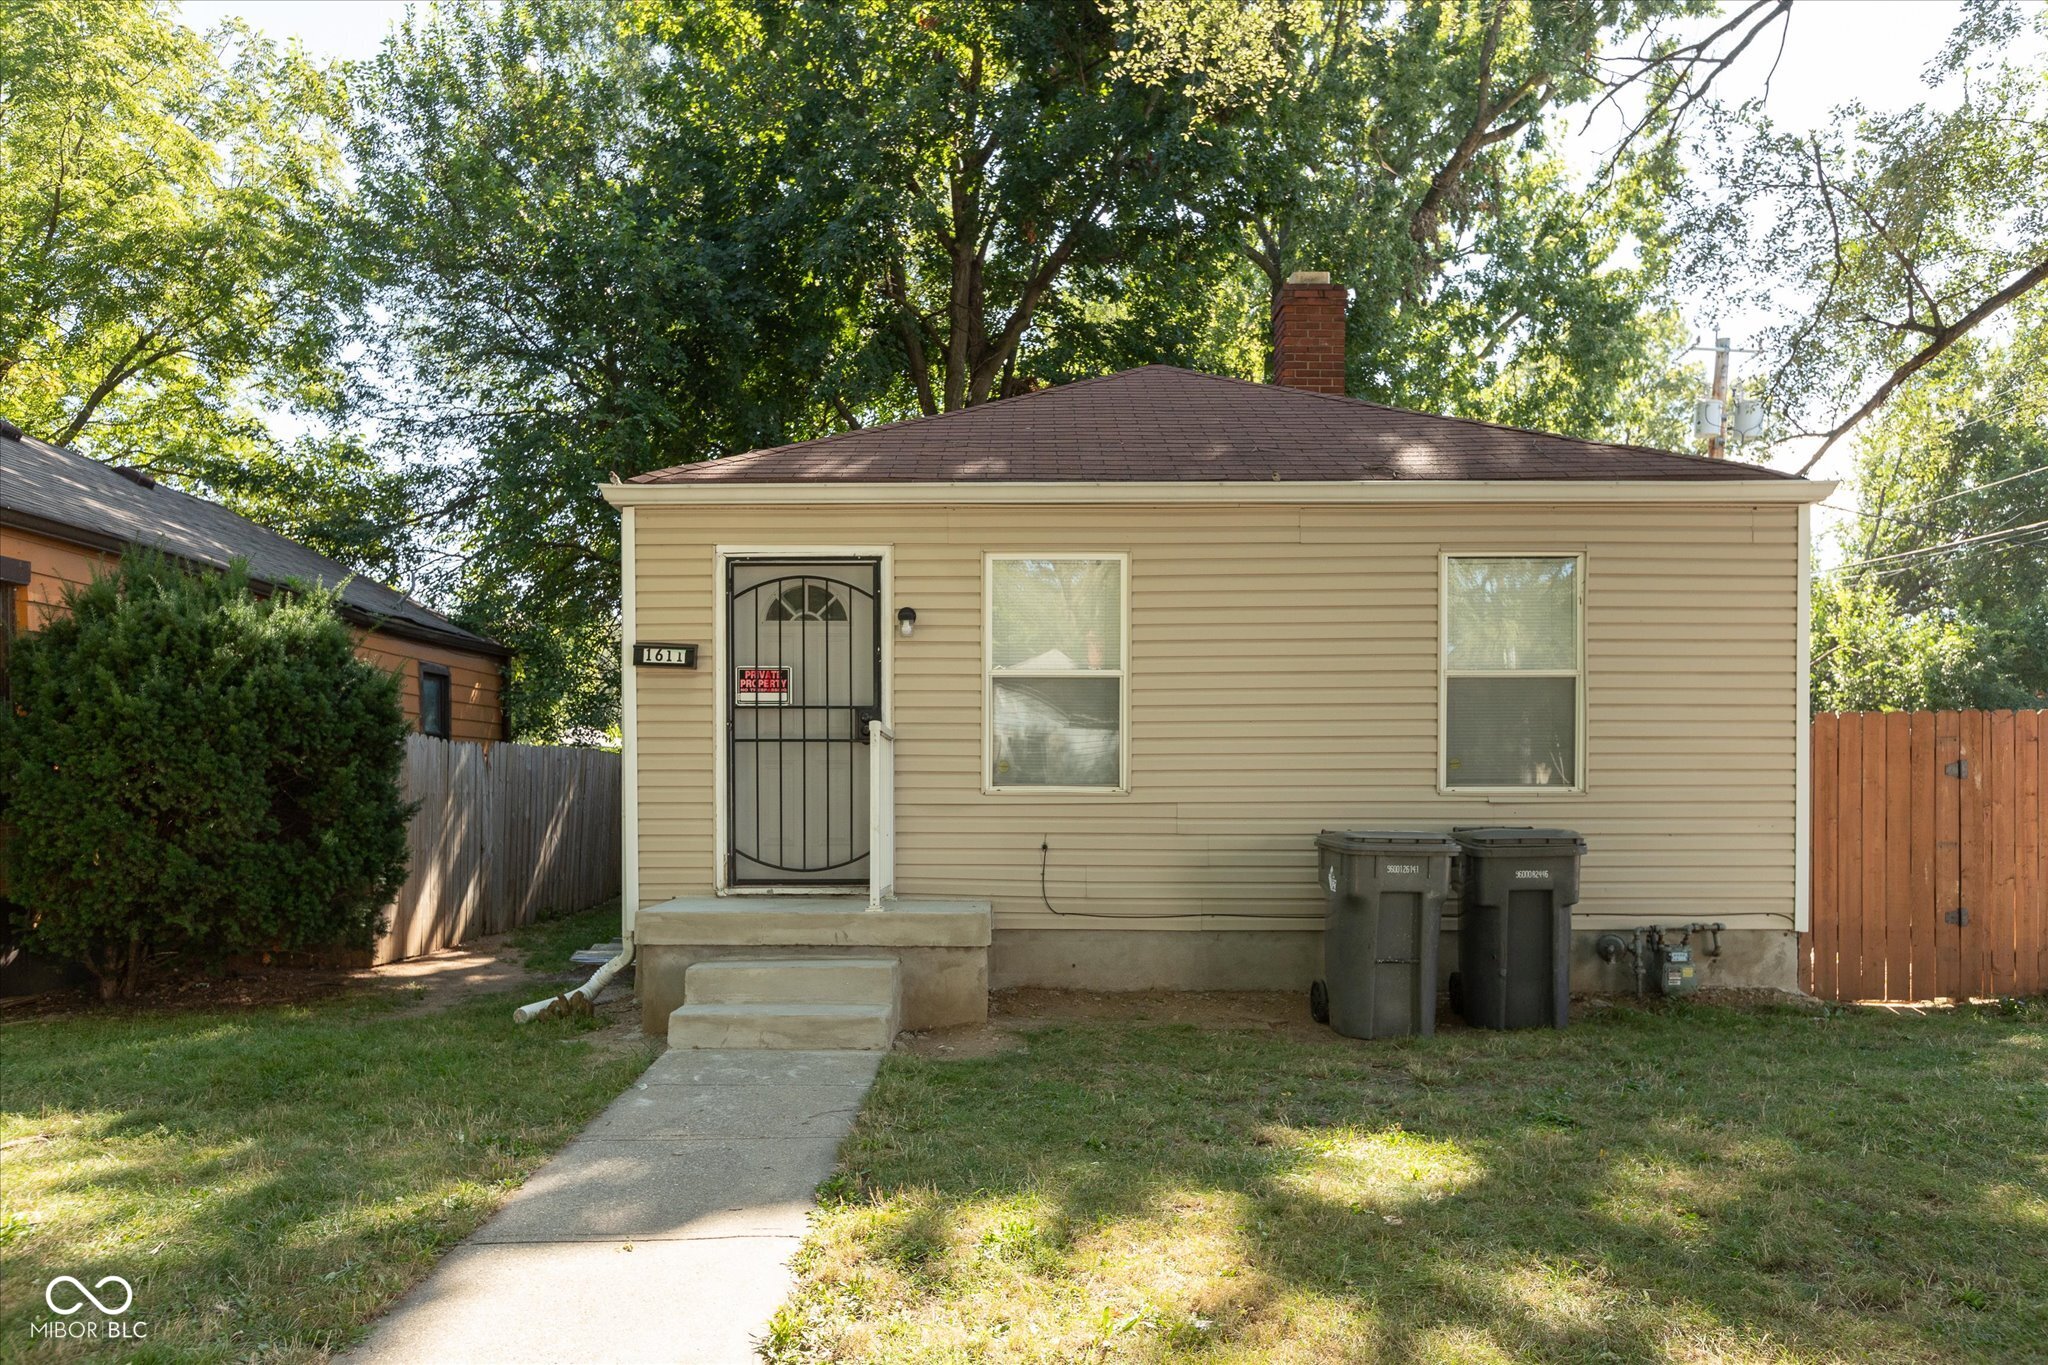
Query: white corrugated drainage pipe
(588, 991)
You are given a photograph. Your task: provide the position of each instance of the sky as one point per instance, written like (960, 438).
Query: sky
(1835, 52)
(350, 29)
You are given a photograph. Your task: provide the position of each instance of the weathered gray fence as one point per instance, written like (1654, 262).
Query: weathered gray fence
(503, 833)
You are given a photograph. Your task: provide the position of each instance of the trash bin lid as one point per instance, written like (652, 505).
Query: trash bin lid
(1519, 838)
(1419, 842)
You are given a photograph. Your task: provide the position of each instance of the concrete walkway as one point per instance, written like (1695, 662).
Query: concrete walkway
(662, 1234)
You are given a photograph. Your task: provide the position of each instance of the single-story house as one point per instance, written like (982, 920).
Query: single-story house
(1067, 684)
(64, 518)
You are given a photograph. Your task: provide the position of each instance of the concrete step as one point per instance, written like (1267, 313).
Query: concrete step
(805, 1027)
(792, 980)
(812, 921)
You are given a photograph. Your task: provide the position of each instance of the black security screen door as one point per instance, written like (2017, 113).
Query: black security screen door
(804, 681)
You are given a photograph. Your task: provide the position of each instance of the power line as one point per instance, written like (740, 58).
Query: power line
(2027, 542)
(2017, 542)
(1960, 492)
(1966, 541)
(1884, 517)
(1989, 540)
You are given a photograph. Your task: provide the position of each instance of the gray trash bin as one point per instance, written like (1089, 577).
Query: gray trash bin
(1385, 895)
(1515, 925)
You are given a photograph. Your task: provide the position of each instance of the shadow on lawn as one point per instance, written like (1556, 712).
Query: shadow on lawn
(1748, 1185)
(266, 1179)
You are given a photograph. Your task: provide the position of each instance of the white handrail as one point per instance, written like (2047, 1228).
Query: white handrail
(881, 814)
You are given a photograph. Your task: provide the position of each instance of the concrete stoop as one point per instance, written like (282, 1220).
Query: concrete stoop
(797, 950)
(825, 1004)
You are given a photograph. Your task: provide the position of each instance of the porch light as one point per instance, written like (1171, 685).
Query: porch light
(906, 621)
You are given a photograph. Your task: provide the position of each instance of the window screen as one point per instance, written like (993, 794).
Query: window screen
(1512, 671)
(1056, 671)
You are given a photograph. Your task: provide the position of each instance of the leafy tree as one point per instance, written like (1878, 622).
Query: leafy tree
(581, 267)
(1869, 655)
(196, 770)
(1883, 243)
(1039, 192)
(1943, 595)
(976, 155)
(166, 263)
(1414, 151)
(610, 238)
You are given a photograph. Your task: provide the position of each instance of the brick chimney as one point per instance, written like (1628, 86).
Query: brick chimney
(1308, 333)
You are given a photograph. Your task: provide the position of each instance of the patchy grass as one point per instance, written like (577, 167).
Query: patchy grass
(1698, 1183)
(269, 1179)
(548, 942)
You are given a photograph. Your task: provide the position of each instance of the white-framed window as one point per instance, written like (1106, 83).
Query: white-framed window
(1511, 701)
(1056, 651)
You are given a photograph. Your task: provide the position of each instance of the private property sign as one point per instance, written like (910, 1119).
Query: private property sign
(763, 686)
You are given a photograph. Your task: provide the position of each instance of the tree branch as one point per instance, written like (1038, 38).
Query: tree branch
(1940, 342)
(137, 359)
(896, 288)
(1027, 304)
(1678, 99)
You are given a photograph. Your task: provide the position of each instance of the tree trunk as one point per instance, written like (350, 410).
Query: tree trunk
(131, 973)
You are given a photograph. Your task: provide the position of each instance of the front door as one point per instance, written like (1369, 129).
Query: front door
(806, 679)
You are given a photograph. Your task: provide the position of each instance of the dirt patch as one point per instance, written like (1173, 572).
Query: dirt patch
(1013, 1014)
(1756, 998)
(248, 986)
(486, 966)
(963, 1042)
(1280, 1011)
(619, 1008)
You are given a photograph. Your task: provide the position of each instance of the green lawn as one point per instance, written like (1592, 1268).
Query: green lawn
(269, 1179)
(547, 943)
(1695, 1183)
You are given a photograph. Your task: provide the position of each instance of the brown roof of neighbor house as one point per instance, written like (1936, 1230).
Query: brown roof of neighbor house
(1161, 424)
(49, 489)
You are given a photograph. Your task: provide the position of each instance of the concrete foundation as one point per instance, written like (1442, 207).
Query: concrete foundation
(1749, 958)
(950, 959)
(1157, 959)
(941, 948)
(1285, 960)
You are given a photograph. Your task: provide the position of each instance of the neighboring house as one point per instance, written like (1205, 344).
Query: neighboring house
(1168, 626)
(64, 517)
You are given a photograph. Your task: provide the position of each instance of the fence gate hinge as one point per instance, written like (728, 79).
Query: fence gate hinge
(1959, 768)
(1958, 916)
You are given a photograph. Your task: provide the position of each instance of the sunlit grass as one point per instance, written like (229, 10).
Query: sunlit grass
(1691, 1184)
(270, 1179)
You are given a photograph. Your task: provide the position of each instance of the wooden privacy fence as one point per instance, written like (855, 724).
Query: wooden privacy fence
(502, 834)
(1930, 856)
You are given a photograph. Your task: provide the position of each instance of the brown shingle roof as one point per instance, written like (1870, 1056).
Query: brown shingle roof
(1159, 424)
(52, 489)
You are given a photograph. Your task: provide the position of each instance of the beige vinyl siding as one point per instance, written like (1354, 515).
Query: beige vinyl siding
(1283, 679)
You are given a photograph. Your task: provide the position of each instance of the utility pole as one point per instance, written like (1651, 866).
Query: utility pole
(1717, 442)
